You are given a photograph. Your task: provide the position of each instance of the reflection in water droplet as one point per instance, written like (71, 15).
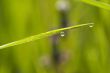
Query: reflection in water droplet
(62, 34)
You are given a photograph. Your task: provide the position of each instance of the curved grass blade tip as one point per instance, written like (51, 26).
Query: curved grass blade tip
(40, 36)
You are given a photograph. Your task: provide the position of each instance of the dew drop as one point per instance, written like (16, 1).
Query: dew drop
(91, 25)
(62, 34)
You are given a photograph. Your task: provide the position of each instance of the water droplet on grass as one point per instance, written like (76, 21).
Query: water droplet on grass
(62, 34)
(91, 25)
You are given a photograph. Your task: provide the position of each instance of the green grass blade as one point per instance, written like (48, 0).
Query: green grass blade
(97, 4)
(40, 36)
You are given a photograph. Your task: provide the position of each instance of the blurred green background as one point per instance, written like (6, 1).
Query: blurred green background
(88, 47)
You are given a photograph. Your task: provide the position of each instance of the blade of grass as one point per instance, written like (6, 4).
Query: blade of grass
(40, 36)
(97, 4)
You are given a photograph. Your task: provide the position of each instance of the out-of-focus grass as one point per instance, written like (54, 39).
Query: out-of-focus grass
(88, 47)
(97, 3)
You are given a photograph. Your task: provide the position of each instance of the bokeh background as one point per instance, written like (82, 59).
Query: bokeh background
(88, 48)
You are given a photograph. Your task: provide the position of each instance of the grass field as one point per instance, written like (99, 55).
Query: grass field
(88, 48)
